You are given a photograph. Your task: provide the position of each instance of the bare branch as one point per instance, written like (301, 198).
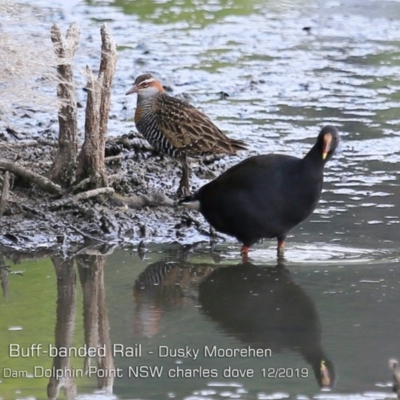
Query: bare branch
(139, 201)
(107, 70)
(31, 176)
(72, 36)
(79, 197)
(29, 143)
(116, 177)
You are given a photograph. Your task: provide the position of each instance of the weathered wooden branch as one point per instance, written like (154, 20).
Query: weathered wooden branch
(29, 143)
(111, 179)
(79, 197)
(108, 64)
(139, 201)
(91, 159)
(79, 185)
(87, 235)
(113, 158)
(116, 177)
(63, 169)
(31, 176)
(4, 193)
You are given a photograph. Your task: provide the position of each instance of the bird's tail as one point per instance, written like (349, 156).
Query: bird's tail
(238, 144)
(190, 202)
(230, 146)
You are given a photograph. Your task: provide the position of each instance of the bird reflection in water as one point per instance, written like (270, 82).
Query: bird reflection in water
(261, 306)
(264, 308)
(163, 286)
(394, 366)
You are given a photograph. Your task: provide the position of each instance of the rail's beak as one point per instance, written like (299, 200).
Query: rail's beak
(133, 89)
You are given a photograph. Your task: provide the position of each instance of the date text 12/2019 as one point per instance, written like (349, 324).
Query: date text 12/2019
(284, 373)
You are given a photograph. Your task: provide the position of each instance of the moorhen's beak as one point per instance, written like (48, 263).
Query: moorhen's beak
(394, 366)
(325, 378)
(133, 89)
(327, 145)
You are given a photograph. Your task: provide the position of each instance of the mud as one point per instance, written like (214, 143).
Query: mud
(273, 87)
(144, 205)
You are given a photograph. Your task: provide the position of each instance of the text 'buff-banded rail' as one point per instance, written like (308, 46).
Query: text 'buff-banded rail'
(176, 128)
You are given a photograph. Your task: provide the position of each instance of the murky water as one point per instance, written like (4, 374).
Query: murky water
(333, 306)
(181, 315)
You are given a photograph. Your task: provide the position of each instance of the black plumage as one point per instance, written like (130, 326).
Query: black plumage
(266, 196)
(266, 309)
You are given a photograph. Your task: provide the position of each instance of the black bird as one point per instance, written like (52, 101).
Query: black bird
(263, 307)
(266, 196)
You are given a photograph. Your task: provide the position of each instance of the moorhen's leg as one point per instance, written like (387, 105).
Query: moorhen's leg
(281, 246)
(244, 251)
(184, 189)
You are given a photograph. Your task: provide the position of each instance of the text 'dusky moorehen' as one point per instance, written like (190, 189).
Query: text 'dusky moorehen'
(147, 364)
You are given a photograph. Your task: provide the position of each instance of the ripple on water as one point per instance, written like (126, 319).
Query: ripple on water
(358, 396)
(15, 328)
(272, 396)
(203, 395)
(314, 253)
(99, 395)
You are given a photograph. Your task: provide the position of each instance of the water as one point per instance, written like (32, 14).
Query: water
(333, 303)
(339, 311)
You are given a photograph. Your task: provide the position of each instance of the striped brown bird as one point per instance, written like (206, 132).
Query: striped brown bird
(176, 128)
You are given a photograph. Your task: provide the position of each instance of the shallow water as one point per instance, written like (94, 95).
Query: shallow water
(336, 309)
(338, 292)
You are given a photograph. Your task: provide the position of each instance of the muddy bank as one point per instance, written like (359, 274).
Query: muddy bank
(142, 207)
(54, 197)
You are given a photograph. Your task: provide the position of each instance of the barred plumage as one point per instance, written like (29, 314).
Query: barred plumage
(154, 275)
(176, 128)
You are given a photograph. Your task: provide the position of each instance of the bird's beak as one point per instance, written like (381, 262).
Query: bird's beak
(133, 89)
(327, 145)
(325, 378)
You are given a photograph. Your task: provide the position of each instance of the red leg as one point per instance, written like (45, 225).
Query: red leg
(244, 251)
(281, 246)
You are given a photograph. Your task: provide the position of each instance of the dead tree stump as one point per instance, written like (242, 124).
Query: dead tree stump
(63, 168)
(4, 193)
(64, 331)
(91, 158)
(95, 318)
